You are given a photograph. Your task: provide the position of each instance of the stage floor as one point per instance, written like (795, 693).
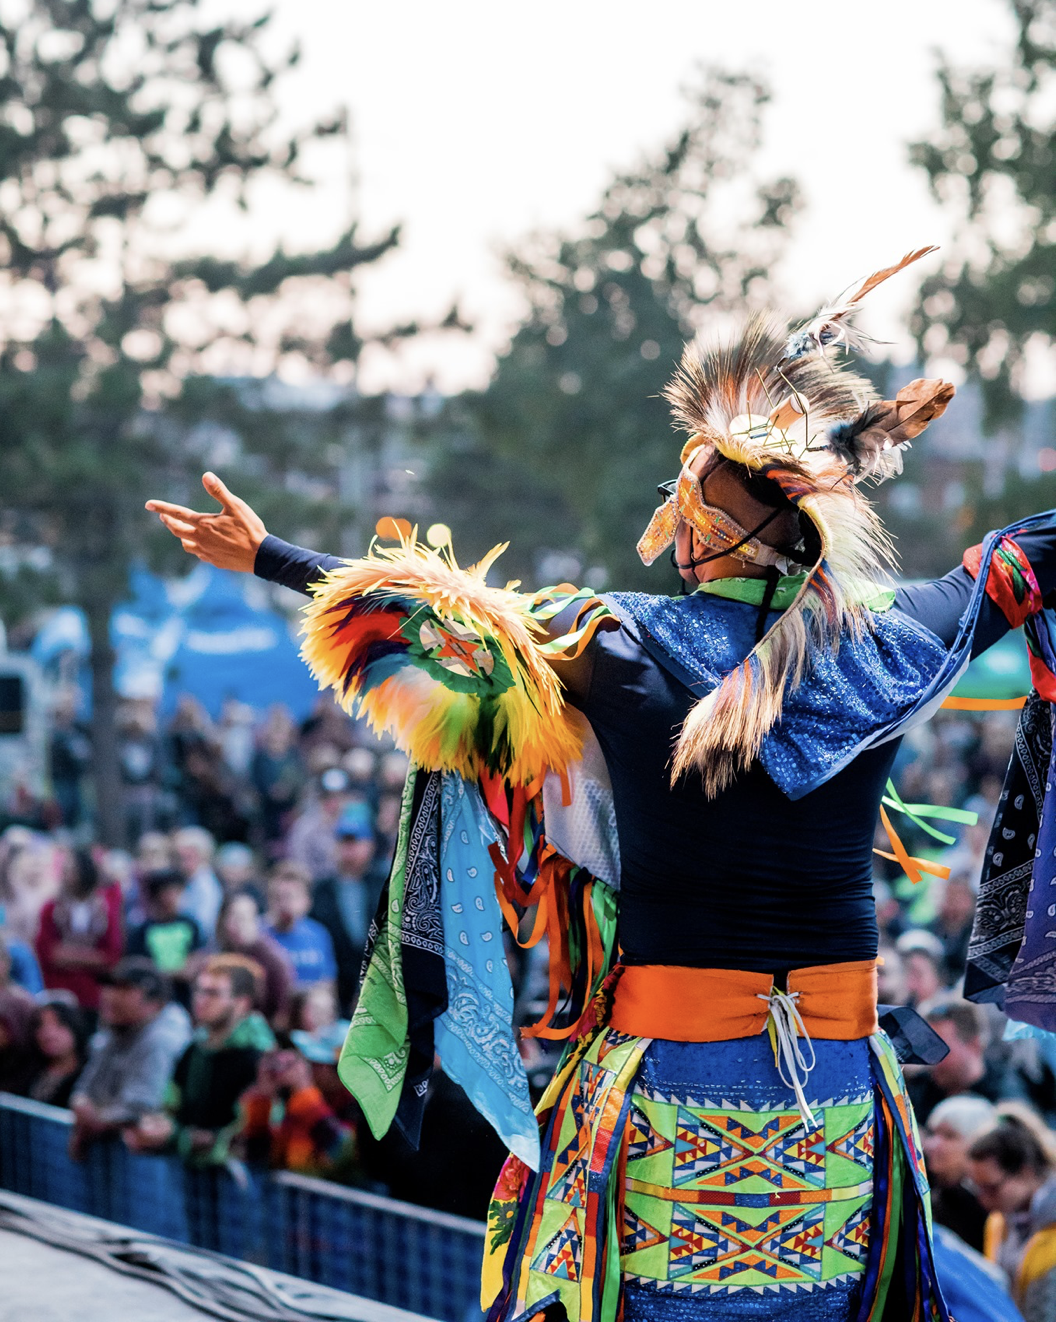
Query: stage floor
(43, 1282)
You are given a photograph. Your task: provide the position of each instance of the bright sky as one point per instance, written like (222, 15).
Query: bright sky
(476, 121)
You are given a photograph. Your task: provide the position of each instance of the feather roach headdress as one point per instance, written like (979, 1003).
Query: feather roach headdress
(784, 406)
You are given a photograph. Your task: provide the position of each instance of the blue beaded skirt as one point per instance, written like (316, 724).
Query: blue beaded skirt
(684, 1181)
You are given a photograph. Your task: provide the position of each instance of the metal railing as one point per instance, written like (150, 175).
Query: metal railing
(410, 1257)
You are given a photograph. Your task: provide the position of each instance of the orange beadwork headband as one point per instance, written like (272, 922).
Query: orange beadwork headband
(716, 528)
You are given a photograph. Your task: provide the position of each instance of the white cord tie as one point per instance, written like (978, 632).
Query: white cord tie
(787, 1028)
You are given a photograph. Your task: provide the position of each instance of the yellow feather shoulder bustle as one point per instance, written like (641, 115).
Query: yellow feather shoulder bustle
(450, 667)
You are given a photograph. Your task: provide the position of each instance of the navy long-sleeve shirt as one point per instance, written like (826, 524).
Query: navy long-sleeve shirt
(749, 879)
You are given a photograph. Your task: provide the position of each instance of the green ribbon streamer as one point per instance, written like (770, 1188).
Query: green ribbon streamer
(548, 609)
(916, 812)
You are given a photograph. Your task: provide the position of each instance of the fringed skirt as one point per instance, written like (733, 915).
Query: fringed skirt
(680, 1181)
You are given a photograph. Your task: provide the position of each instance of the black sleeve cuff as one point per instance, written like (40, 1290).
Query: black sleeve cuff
(292, 566)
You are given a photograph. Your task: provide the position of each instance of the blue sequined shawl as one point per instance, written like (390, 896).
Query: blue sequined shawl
(873, 689)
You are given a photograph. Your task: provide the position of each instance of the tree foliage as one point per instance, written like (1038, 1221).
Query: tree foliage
(993, 163)
(129, 358)
(563, 451)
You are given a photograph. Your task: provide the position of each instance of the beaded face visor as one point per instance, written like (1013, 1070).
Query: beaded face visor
(720, 534)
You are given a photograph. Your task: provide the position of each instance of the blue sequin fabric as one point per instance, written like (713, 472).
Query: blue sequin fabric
(870, 683)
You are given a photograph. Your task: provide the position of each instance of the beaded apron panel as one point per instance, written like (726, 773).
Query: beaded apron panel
(729, 1198)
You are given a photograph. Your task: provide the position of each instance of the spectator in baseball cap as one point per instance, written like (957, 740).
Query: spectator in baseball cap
(311, 838)
(236, 866)
(344, 902)
(132, 1058)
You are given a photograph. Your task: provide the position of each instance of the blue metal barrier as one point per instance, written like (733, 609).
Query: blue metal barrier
(412, 1258)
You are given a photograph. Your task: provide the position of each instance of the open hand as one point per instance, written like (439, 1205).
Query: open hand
(228, 540)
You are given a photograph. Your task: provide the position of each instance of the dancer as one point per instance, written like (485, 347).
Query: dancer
(680, 795)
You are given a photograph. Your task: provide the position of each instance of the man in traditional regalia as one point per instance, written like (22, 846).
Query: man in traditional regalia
(679, 794)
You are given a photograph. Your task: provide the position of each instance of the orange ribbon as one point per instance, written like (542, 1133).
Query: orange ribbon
(912, 867)
(984, 704)
(548, 895)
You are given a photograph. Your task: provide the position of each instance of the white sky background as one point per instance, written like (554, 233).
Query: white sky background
(477, 121)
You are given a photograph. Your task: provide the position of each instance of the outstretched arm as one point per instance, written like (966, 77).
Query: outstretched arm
(939, 604)
(235, 538)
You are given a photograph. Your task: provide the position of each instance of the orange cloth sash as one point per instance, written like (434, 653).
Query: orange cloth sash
(837, 1001)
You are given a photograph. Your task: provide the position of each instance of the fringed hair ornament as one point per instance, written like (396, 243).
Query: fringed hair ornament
(783, 406)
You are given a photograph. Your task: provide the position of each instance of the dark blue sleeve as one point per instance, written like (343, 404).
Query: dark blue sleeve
(292, 566)
(939, 605)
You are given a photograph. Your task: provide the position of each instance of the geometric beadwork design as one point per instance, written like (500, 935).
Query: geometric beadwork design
(857, 1144)
(595, 1079)
(643, 1140)
(801, 1153)
(800, 1245)
(721, 1150)
(755, 1200)
(718, 1198)
(701, 1148)
(571, 1164)
(717, 1247)
(695, 1243)
(611, 1042)
(639, 1234)
(560, 1257)
(852, 1238)
(571, 1186)
(570, 1198)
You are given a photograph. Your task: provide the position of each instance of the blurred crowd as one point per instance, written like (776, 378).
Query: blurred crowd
(987, 1112)
(191, 994)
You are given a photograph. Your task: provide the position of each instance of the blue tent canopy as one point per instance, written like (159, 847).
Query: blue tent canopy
(213, 634)
(234, 645)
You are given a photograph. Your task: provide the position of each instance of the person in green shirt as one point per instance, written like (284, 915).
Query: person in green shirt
(201, 1114)
(168, 937)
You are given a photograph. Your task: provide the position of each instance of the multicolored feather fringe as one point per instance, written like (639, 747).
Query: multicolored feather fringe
(452, 668)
